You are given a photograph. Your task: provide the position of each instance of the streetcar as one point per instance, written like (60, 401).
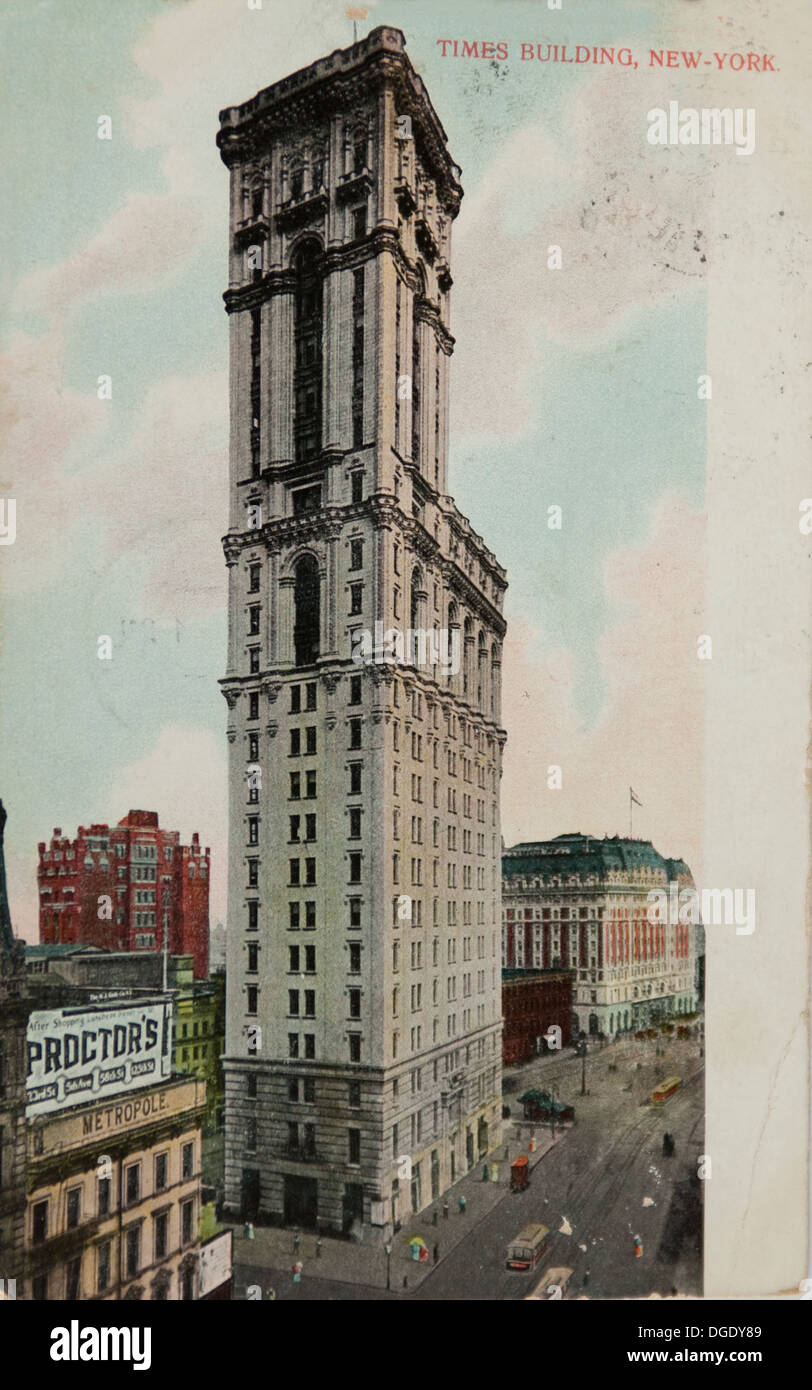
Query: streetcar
(527, 1249)
(665, 1089)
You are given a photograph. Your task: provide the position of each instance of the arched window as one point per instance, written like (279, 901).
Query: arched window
(481, 669)
(416, 607)
(307, 337)
(307, 606)
(468, 657)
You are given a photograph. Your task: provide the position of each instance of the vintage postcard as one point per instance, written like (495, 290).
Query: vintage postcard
(405, 663)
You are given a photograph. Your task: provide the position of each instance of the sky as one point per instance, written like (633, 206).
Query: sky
(573, 388)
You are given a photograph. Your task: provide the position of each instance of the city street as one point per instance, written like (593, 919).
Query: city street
(607, 1180)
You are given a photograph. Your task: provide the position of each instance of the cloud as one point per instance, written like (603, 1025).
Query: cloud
(629, 220)
(42, 425)
(141, 247)
(162, 503)
(649, 733)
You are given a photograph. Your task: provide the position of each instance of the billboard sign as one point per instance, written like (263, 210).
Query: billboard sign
(215, 1263)
(89, 1054)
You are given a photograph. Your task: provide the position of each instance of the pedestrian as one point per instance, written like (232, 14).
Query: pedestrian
(638, 1247)
(436, 1254)
(318, 1247)
(586, 1277)
(297, 1240)
(296, 1271)
(445, 1211)
(271, 1295)
(249, 1231)
(462, 1204)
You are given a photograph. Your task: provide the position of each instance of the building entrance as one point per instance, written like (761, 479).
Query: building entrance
(301, 1201)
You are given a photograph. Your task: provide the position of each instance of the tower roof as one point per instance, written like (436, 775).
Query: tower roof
(585, 856)
(337, 82)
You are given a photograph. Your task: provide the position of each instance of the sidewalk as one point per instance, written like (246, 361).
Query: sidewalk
(347, 1262)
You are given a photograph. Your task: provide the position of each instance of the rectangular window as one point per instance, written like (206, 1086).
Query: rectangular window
(253, 957)
(103, 1252)
(310, 740)
(310, 826)
(295, 699)
(310, 1045)
(295, 822)
(355, 1047)
(133, 1251)
(309, 1091)
(355, 1003)
(73, 1207)
(293, 913)
(253, 830)
(293, 1045)
(253, 705)
(355, 957)
(253, 873)
(354, 1136)
(252, 995)
(310, 871)
(293, 1002)
(310, 696)
(355, 690)
(133, 1183)
(161, 1232)
(355, 823)
(356, 599)
(356, 554)
(188, 1160)
(310, 915)
(295, 786)
(310, 786)
(295, 742)
(187, 1212)
(355, 779)
(354, 1096)
(293, 959)
(293, 865)
(103, 1196)
(355, 912)
(310, 959)
(253, 620)
(160, 1172)
(355, 868)
(310, 1003)
(253, 578)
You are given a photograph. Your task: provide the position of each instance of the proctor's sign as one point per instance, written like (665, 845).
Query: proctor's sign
(80, 1055)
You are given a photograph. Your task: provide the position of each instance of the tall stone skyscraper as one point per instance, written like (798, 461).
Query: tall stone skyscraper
(363, 681)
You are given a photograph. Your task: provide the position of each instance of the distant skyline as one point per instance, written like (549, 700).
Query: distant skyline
(573, 388)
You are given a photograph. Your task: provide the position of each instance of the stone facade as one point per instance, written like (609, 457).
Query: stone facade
(363, 998)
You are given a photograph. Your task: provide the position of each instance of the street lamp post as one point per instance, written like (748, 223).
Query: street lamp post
(388, 1249)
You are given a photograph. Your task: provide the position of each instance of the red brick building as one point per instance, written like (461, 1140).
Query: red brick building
(533, 1001)
(128, 887)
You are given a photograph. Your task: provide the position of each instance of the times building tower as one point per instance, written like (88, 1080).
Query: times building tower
(365, 631)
